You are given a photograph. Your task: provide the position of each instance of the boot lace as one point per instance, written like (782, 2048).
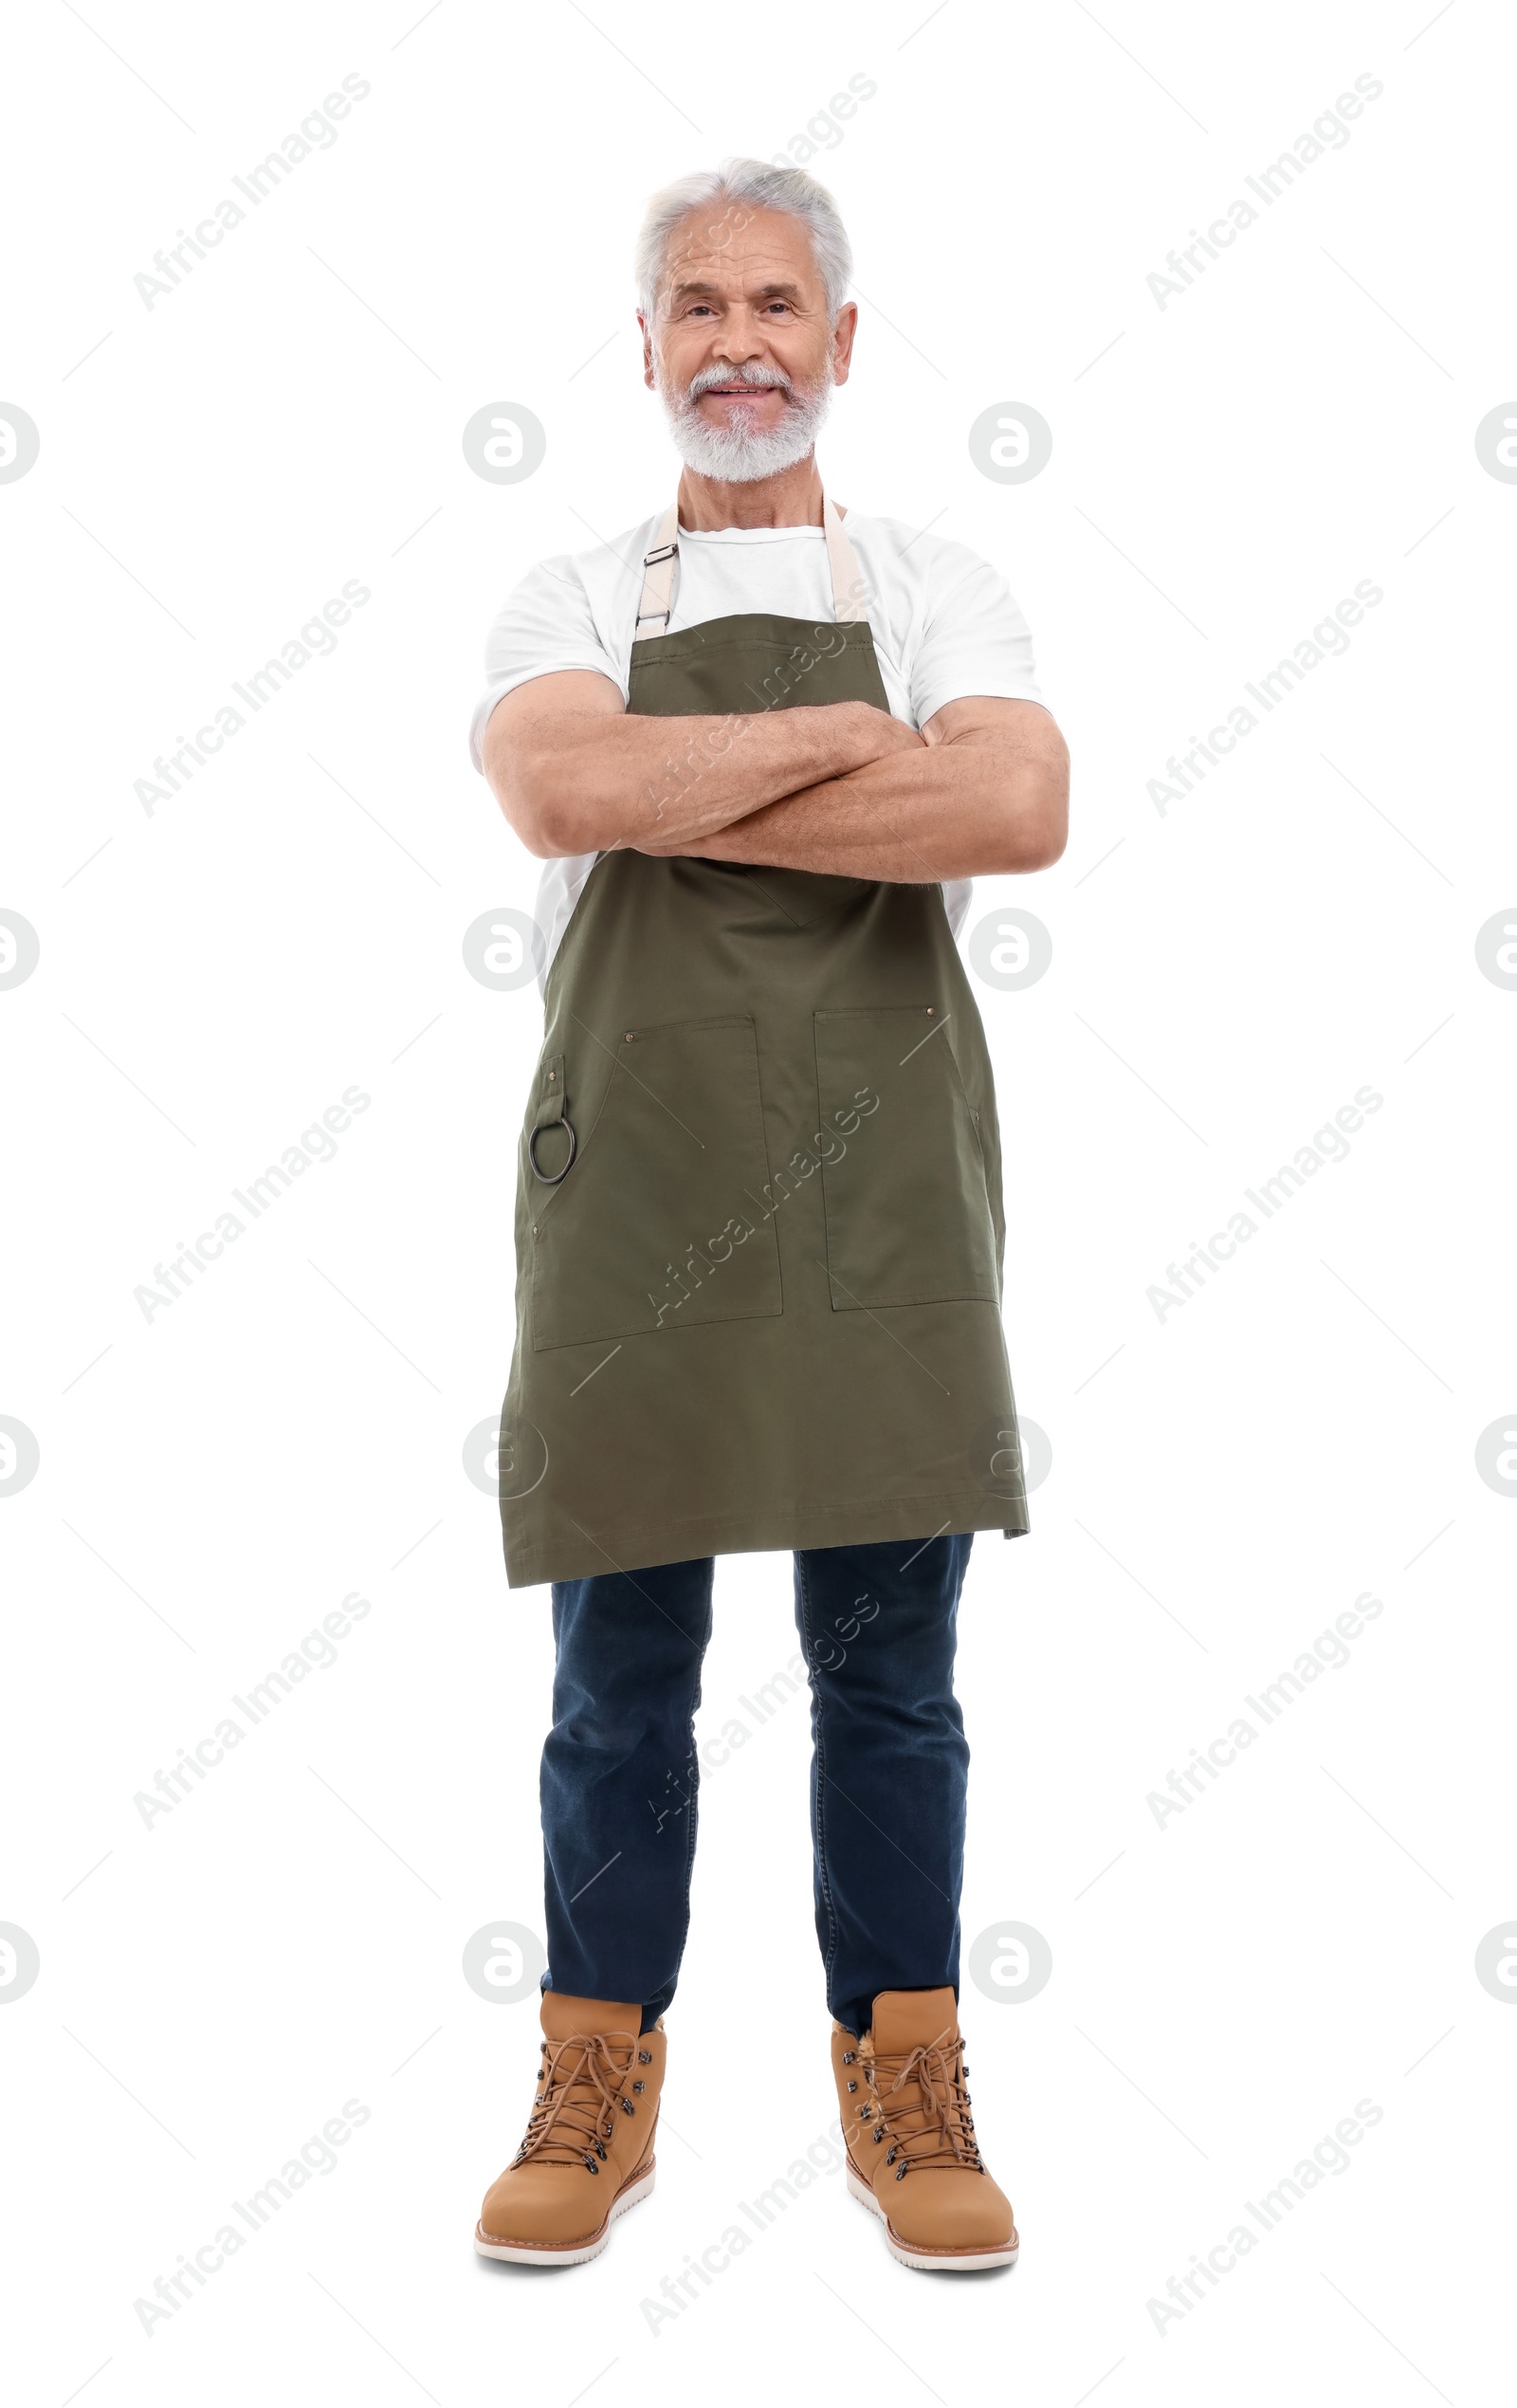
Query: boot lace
(581, 2089)
(923, 2105)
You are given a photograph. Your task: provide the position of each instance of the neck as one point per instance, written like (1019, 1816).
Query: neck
(793, 498)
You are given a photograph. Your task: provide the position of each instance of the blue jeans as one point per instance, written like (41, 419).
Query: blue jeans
(890, 1769)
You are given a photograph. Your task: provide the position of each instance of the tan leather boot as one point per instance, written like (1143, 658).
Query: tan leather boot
(588, 2154)
(912, 2155)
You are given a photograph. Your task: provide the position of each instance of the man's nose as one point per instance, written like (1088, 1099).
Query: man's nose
(739, 343)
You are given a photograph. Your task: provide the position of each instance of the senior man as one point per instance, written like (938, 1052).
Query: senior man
(758, 1225)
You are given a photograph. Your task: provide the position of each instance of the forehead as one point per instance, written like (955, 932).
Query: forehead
(733, 249)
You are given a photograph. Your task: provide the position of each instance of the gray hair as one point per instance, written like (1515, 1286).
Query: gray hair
(735, 185)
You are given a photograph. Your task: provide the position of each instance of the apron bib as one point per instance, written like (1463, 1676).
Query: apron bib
(758, 1225)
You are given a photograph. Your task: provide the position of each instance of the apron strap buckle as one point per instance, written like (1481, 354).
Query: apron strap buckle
(656, 601)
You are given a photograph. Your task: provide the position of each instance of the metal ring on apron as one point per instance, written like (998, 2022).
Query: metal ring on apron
(551, 1178)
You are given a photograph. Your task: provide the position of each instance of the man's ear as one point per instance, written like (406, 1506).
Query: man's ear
(845, 325)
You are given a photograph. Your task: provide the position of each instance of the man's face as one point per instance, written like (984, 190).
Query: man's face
(742, 349)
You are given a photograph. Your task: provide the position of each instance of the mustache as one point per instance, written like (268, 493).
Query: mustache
(754, 373)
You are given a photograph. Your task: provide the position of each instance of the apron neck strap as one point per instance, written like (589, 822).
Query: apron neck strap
(659, 565)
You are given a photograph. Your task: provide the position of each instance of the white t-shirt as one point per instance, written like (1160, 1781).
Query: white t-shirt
(943, 621)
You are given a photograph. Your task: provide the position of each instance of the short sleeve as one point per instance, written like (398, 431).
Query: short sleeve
(974, 638)
(545, 624)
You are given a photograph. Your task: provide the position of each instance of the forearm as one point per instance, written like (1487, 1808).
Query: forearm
(944, 811)
(662, 784)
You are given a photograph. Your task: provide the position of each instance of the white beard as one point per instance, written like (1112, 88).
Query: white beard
(736, 453)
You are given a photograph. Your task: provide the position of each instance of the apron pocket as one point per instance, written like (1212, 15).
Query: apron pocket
(908, 1218)
(660, 1222)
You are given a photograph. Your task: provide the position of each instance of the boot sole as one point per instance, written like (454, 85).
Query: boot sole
(566, 2254)
(931, 2261)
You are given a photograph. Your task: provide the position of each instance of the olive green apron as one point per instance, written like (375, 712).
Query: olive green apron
(758, 1220)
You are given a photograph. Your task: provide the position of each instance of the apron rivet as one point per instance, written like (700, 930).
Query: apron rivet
(552, 1076)
(628, 1039)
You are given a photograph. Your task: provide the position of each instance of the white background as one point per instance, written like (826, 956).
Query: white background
(1225, 1481)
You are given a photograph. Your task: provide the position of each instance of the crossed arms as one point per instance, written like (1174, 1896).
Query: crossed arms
(837, 787)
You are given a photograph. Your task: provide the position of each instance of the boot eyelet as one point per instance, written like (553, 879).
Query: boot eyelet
(627, 2107)
(849, 2056)
(853, 2085)
(645, 2056)
(639, 2086)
